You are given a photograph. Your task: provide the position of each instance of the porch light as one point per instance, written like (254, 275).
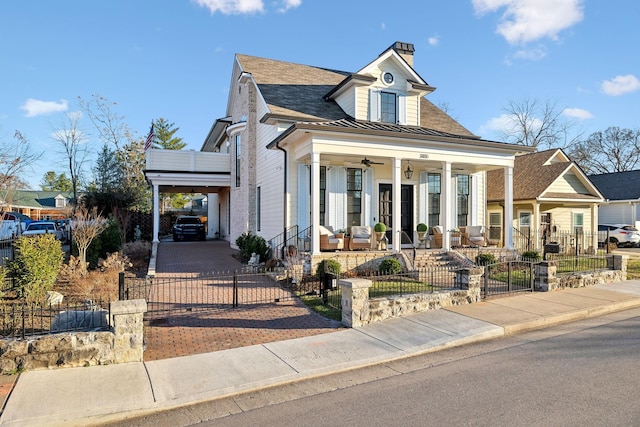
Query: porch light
(408, 172)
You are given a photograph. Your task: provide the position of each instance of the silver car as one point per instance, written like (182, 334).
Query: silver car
(620, 234)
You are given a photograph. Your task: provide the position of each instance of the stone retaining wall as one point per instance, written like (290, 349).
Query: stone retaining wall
(358, 310)
(124, 343)
(547, 278)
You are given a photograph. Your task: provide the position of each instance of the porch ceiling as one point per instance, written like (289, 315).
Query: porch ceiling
(184, 182)
(417, 164)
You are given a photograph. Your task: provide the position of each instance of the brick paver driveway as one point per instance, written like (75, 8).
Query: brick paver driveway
(203, 331)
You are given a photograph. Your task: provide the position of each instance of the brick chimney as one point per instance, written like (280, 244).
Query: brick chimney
(405, 50)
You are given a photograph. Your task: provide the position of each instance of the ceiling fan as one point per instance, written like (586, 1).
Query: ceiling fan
(368, 162)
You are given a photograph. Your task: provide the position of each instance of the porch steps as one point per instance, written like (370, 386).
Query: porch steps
(436, 259)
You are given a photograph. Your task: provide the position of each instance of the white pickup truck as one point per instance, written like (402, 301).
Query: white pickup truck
(43, 227)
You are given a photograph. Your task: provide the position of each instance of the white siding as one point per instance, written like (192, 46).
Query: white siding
(270, 177)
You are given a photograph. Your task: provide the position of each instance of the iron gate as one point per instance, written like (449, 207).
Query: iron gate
(508, 277)
(175, 295)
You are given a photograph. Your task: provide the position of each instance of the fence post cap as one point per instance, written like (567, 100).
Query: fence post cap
(128, 306)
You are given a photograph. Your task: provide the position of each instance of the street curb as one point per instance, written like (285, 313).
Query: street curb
(576, 315)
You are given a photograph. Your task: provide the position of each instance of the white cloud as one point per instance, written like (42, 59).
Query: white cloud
(35, 107)
(535, 54)
(577, 113)
(383, 26)
(529, 20)
(620, 85)
(232, 7)
(433, 41)
(496, 124)
(290, 4)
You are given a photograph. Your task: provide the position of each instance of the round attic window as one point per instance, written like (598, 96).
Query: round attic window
(388, 78)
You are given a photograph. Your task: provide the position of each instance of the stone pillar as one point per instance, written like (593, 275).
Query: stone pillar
(620, 263)
(355, 302)
(546, 279)
(128, 328)
(471, 280)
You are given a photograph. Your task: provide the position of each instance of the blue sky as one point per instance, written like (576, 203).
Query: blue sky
(173, 58)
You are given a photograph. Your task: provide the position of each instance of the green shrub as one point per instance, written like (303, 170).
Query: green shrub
(390, 266)
(106, 243)
(250, 243)
(532, 255)
(379, 228)
(485, 259)
(333, 266)
(36, 265)
(422, 227)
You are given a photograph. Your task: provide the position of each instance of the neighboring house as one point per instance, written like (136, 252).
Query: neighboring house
(622, 193)
(552, 197)
(302, 146)
(38, 205)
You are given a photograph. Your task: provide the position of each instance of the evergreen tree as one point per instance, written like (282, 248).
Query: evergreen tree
(164, 135)
(52, 181)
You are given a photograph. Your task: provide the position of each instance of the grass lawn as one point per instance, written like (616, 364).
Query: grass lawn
(633, 269)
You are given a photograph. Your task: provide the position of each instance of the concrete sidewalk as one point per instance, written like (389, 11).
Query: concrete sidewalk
(82, 396)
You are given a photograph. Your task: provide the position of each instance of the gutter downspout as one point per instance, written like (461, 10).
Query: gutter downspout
(284, 195)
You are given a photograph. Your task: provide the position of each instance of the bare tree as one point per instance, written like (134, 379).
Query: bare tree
(539, 125)
(614, 150)
(15, 158)
(72, 145)
(86, 225)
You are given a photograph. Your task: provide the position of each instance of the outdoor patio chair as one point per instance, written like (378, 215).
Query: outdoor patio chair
(361, 237)
(436, 241)
(329, 240)
(474, 236)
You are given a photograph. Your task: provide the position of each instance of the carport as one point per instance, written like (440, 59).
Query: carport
(174, 171)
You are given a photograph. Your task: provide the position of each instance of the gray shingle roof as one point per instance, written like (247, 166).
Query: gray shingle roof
(297, 92)
(619, 185)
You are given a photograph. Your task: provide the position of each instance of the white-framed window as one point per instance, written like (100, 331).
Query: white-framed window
(524, 222)
(387, 107)
(577, 219)
(238, 159)
(61, 202)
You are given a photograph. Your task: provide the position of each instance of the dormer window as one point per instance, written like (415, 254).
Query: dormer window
(387, 78)
(388, 107)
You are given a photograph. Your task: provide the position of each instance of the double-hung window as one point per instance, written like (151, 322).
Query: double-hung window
(238, 162)
(388, 107)
(434, 199)
(463, 200)
(354, 196)
(323, 194)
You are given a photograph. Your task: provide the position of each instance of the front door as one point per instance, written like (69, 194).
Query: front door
(385, 210)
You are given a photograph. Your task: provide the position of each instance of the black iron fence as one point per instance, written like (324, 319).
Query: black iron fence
(563, 242)
(22, 319)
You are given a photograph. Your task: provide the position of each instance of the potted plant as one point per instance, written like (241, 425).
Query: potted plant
(379, 229)
(422, 231)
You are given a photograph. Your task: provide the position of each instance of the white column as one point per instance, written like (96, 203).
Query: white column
(156, 213)
(535, 227)
(396, 205)
(594, 227)
(447, 216)
(508, 207)
(315, 203)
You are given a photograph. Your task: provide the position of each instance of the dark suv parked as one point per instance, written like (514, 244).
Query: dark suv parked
(188, 227)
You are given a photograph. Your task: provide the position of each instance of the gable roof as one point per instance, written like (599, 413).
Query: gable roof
(299, 93)
(533, 174)
(38, 199)
(618, 185)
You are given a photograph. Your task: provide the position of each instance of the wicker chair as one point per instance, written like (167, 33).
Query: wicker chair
(474, 236)
(361, 237)
(330, 241)
(436, 241)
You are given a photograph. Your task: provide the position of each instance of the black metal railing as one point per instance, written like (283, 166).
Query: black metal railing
(417, 281)
(291, 240)
(22, 319)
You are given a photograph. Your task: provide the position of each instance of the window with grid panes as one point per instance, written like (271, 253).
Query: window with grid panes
(354, 196)
(433, 180)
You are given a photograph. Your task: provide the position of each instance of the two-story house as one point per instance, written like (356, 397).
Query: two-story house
(310, 146)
